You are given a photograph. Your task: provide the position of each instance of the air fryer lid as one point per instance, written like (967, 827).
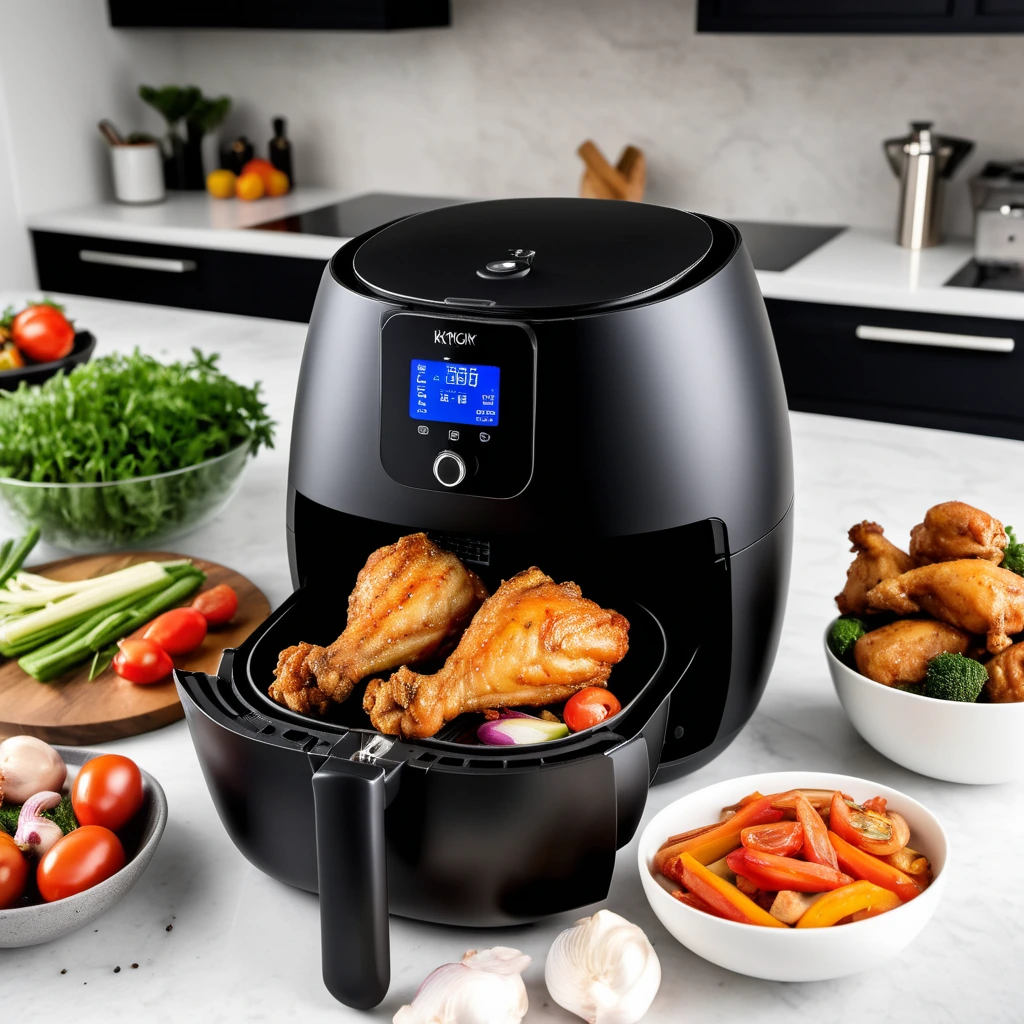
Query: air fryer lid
(572, 254)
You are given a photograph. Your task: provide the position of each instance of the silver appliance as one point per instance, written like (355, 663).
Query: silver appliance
(998, 197)
(922, 160)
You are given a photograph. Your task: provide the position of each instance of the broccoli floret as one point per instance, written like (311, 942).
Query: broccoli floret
(917, 688)
(1013, 554)
(955, 677)
(845, 632)
(63, 814)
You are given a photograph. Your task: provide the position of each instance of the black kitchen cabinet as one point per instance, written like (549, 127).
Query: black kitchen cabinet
(923, 369)
(868, 16)
(372, 15)
(253, 284)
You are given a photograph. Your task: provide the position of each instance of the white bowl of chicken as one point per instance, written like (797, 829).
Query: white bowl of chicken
(928, 656)
(788, 915)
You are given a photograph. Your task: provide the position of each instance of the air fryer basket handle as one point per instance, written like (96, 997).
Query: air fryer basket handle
(352, 870)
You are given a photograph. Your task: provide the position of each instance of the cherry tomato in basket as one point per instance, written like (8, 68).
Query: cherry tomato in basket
(82, 859)
(179, 631)
(13, 871)
(107, 792)
(218, 604)
(43, 333)
(142, 661)
(590, 706)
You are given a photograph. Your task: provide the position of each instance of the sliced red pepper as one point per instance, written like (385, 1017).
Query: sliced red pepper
(757, 812)
(773, 874)
(781, 837)
(691, 899)
(850, 899)
(867, 830)
(817, 848)
(723, 897)
(868, 867)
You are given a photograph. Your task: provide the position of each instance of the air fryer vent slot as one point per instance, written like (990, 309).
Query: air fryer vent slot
(469, 549)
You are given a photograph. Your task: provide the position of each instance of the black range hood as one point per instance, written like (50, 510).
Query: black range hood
(366, 15)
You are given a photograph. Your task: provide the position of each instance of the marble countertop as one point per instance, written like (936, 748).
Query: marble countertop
(245, 947)
(859, 267)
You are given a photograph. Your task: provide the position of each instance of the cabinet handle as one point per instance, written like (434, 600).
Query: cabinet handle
(938, 339)
(121, 259)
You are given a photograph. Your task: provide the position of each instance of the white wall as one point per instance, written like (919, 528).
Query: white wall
(62, 69)
(757, 126)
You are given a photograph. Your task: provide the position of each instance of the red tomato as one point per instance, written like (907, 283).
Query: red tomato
(218, 604)
(590, 706)
(43, 333)
(142, 661)
(107, 792)
(782, 837)
(880, 834)
(179, 631)
(13, 871)
(82, 859)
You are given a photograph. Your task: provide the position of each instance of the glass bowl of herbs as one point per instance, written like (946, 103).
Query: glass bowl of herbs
(127, 451)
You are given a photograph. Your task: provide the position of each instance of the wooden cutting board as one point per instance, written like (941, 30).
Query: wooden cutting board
(74, 711)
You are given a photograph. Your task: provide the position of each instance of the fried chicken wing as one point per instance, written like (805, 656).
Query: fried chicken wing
(533, 642)
(412, 600)
(877, 559)
(1006, 676)
(955, 530)
(972, 594)
(900, 652)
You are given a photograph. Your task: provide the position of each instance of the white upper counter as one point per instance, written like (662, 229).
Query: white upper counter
(859, 267)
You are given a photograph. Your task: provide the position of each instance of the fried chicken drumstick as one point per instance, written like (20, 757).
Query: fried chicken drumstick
(534, 642)
(412, 599)
(877, 559)
(972, 594)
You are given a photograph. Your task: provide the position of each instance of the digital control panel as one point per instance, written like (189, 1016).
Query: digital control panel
(454, 392)
(457, 403)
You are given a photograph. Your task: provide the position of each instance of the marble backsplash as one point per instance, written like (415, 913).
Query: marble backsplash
(742, 126)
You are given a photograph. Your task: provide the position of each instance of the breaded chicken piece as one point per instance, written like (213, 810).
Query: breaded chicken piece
(900, 652)
(877, 559)
(972, 594)
(955, 530)
(1006, 676)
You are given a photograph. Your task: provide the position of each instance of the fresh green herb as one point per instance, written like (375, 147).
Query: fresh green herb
(845, 632)
(121, 418)
(63, 814)
(1013, 554)
(955, 677)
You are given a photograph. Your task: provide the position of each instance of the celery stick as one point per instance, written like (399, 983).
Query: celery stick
(16, 555)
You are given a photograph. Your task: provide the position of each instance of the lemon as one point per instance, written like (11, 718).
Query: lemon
(221, 184)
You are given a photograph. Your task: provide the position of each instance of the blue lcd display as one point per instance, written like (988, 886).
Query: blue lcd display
(451, 392)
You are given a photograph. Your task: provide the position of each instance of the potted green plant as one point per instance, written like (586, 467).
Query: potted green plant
(189, 116)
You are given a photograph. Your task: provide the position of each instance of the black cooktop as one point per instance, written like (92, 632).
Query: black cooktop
(771, 246)
(996, 277)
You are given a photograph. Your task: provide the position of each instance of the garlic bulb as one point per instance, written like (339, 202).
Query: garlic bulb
(604, 970)
(483, 988)
(35, 833)
(28, 766)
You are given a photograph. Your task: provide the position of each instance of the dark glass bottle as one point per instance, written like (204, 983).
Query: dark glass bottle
(281, 151)
(237, 154)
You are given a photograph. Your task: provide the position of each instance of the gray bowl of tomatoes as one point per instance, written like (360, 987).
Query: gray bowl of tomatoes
(37, 342)
(121, 812)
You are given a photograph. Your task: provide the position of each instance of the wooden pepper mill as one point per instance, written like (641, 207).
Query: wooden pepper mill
(626, 180)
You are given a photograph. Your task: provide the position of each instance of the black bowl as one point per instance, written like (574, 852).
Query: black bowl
(36, 373)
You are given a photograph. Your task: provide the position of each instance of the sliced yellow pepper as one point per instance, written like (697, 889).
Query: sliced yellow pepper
(846, 900)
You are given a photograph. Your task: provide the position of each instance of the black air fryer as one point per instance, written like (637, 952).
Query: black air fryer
(586, 386)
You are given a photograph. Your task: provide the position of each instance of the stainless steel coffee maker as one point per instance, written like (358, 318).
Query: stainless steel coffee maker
(922, 160)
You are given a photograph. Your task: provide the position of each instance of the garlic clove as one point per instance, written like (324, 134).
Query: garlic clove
(28, 766)
(36, 834)
(485, 987)
(603, 969)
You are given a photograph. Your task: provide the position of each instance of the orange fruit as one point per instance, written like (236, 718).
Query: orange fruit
(277, 183)
(221, 184)
(249, 186)
(264, 168)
